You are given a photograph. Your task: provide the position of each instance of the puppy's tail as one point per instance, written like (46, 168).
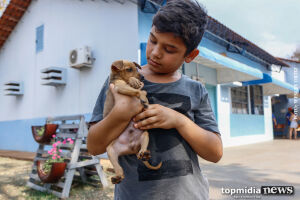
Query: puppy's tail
(148, 165)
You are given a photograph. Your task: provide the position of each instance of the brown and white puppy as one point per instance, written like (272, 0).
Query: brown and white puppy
(126, 78)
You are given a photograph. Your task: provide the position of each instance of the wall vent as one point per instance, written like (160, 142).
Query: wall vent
(13, 88)
(54, 76)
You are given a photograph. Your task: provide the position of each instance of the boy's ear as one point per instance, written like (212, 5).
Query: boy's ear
(190, 57)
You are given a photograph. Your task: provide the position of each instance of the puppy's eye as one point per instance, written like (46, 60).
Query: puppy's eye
(129, 70)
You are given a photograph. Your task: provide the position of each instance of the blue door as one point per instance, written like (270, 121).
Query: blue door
(212, 97)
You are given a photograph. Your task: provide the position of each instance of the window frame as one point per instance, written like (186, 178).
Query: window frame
(251, 102)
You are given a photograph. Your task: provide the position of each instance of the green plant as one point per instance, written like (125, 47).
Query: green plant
(40, 131)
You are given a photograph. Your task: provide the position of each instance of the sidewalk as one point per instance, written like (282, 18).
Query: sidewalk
(269, 163)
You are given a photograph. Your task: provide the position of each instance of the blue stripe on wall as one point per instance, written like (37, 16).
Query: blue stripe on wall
(39, 38)
(16, 135)
(143, 47)
(245, 125)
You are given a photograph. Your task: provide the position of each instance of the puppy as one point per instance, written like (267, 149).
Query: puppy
(124, 75)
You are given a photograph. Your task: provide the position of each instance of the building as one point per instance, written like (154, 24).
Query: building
(37, 38)
(240, 78)
(281, 103)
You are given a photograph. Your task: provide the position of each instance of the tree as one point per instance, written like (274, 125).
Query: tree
(296, 54)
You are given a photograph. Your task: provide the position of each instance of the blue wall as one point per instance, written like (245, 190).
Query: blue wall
(242, 125)
(16, 135)
(144, 23)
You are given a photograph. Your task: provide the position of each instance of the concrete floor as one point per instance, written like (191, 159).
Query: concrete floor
(269, 163)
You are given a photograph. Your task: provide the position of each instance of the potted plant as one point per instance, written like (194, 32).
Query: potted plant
(51, 170)
(43, 134)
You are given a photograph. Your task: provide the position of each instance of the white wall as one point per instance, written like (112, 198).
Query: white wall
(109, 28)
(279, 75)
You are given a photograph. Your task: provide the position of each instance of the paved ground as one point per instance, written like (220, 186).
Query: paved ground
(270, 163)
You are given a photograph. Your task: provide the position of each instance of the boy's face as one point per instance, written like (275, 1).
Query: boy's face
(165, 52)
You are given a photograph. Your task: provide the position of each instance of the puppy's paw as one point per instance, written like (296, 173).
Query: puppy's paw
(135, 83)
(144, 155)
(116, 179)
(143, 97)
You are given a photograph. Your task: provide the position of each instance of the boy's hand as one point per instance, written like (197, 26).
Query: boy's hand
(157, 116)
(127, 106)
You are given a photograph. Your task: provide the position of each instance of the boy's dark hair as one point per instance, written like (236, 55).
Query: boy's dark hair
(185, 18)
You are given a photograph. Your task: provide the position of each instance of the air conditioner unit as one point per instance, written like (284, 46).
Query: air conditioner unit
(13, 88)
(54, 76)
(81, 57)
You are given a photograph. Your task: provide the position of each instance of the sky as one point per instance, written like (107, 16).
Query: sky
(273, 25)
(3, 4)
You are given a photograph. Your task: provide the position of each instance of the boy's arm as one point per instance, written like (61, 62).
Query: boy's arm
(102, 133)
(206, 144)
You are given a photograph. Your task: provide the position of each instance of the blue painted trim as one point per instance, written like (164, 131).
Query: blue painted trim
(16, 134)
(39, 38)
(143, 46)
(269, 79)
(266, 79)
(230, 63)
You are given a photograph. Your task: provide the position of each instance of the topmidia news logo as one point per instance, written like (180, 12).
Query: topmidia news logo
(2, 5)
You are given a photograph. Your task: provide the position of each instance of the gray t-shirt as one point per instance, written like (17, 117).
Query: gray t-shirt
(180, 176)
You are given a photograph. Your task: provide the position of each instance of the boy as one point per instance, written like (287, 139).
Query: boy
(179, 118)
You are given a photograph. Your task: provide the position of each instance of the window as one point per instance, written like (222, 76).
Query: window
(241, 104)
(257, 107)
(239, 100)
(39, 41)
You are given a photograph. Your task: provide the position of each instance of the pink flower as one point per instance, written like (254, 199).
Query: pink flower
(69, 139)
(58, 156)
(53, 136)
(50, 153)
(54, 145)
(53, 157)
(60, 150)
(58, 142)
(64, 142)
(71, 142)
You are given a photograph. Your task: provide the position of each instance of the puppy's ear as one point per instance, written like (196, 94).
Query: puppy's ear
(137, 65)
(117, 65)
